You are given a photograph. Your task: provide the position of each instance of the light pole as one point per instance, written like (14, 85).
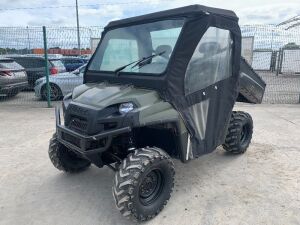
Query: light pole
(28, 51)
(78, 31)
(272, 39)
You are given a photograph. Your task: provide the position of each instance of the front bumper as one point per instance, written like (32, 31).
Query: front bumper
(83, 144)
(37, 90)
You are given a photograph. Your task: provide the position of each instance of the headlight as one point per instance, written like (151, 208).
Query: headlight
(126, 107)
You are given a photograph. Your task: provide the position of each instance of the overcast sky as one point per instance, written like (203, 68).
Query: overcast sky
(93, 14)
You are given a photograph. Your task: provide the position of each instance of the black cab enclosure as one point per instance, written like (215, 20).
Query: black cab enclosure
(201, 77)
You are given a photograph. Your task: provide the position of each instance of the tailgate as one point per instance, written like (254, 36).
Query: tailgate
(252, 86)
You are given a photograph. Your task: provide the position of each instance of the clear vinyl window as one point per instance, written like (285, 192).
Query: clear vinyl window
(125, 45)
(119, 52)
(211, 61)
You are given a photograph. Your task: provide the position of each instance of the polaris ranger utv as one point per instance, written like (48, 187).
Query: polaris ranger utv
(159, 86)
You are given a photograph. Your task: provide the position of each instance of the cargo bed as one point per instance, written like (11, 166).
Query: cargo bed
(252, 86)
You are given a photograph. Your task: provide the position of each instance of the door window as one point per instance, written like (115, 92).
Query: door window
(211, 61)
(30, 62)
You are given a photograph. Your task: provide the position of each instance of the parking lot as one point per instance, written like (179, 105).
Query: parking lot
(259, 187)
(282, 89)
(26, 99)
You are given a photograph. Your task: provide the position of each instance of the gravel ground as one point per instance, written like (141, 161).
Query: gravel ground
(260, 187)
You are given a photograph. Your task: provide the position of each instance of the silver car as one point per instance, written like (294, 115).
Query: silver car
(13, 77)
(60, 85)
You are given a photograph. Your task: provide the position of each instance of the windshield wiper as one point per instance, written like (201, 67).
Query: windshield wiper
(137, 62)
(147, 58)
(116, 71)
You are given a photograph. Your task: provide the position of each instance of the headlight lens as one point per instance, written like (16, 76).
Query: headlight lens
(126, 107)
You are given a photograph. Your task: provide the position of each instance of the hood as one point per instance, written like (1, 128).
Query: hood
(104, 94)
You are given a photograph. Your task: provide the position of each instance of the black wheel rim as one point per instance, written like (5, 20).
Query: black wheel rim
(151, 187)
(54, 93)
(244, 134)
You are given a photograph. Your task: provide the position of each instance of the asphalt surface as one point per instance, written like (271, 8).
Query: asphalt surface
(260, 187)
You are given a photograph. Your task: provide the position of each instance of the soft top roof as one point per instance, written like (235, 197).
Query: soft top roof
(191, 10)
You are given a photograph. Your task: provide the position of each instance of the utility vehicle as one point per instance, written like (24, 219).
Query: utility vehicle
(159, 86)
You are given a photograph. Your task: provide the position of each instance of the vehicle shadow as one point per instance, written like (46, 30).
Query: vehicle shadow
(83, 198)
(88, 196)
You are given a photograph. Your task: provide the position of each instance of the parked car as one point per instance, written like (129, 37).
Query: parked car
(35, 67)
(13, 77)
(60, 85)
(73, 63)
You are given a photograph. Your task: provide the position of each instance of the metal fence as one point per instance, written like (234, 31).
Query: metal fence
(275, 48)
(25, 45)
(273, 52)
(276, 57)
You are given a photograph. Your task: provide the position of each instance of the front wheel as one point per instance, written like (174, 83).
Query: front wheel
(239, 133)
(144, 183)
(63, 159)
(55, 92)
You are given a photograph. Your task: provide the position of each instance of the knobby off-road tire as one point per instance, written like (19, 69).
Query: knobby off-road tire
(143, 184)
(63, 159)
(239, 133)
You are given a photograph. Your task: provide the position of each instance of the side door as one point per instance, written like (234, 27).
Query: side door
(38, 66)
(209, 88)
(34, 67)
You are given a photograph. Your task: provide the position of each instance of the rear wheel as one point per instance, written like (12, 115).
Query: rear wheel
(239, 133)
(55, 92)
(65, 160)
(144, 183)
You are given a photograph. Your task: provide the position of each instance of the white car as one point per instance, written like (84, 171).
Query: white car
(60, 85)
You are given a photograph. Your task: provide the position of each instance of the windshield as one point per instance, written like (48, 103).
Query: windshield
(125, 45)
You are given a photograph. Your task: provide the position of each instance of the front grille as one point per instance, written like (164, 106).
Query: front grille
(78, 124)
(89, 145)
(77, 110)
